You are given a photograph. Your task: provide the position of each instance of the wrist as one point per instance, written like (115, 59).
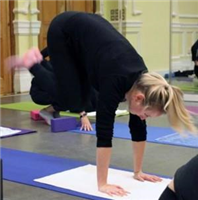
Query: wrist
(100, 185)
(83, 114)
(137, 171)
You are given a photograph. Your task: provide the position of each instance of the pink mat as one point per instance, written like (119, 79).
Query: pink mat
(193, 109)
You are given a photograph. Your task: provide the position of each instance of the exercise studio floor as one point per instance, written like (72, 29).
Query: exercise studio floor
(159, 158)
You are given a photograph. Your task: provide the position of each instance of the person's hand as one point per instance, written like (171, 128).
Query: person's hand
(31, 57)
(146, 177)
(113, 190)
(85, 124)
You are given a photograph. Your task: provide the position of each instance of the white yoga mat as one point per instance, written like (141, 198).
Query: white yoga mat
(83, 179)
(7, 131)
(118, 113)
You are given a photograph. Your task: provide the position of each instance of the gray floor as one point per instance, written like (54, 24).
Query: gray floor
(159, 159)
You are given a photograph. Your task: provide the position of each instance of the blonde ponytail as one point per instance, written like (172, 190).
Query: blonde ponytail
(178, 116)
(160, 95)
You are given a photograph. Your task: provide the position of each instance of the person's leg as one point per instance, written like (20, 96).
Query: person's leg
(43, 90)
(39, 96)
(168, 194)
(64, 61)
(186, 180)
(196, 70)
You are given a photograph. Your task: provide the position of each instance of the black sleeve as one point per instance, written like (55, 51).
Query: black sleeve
(110, 95)
(137, 128)
(186, 180)
(44, 52)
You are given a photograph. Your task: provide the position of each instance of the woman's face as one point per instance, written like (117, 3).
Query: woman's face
(136, 107)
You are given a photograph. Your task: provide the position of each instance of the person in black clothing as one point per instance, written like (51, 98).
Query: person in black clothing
(184, 186)
(194, 52)
(43, 90)
(187, 73)
(87, 51)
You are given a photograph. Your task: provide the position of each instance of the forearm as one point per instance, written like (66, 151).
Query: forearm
(103, 159)
(138, 154)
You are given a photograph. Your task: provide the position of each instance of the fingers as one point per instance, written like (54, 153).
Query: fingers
(153, 179)
(86, 127)
(31, 57)
(146, 177)
(117, 193)
(114, 190)
(139, 178)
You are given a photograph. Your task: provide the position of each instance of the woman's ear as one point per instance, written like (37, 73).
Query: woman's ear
(139, 98)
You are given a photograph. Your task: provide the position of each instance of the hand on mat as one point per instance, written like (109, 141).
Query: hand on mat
(113, 190)
(146, 177)
(86, 125)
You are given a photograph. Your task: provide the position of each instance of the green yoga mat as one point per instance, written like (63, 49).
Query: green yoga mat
(188, 88)
(29, 106)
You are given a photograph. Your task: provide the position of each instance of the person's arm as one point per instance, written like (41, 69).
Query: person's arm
(138, 132)
(103, 156)
(103, 159)
(111, 93)
(138, 154)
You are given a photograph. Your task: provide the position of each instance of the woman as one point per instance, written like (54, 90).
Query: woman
(86, 51)
(185, 183)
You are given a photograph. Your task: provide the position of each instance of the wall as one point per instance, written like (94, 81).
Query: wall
(184, 32)
(147, 26)
(26, 30)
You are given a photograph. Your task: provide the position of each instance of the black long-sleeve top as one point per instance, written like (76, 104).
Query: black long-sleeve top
(111, 64)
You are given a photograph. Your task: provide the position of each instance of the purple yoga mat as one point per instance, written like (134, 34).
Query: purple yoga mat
(22, 132)
(193, 109)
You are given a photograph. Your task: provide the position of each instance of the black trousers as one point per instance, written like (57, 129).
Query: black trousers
(74, 88)
(43, 89)
(185, 183)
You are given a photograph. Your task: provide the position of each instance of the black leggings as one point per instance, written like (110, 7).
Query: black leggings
(43, 86)
(43, 89)
(168, 194)
(185, 183)
(65, 64)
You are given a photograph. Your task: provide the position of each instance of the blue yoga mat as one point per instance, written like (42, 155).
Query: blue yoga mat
(158, 135)
(24, 167)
